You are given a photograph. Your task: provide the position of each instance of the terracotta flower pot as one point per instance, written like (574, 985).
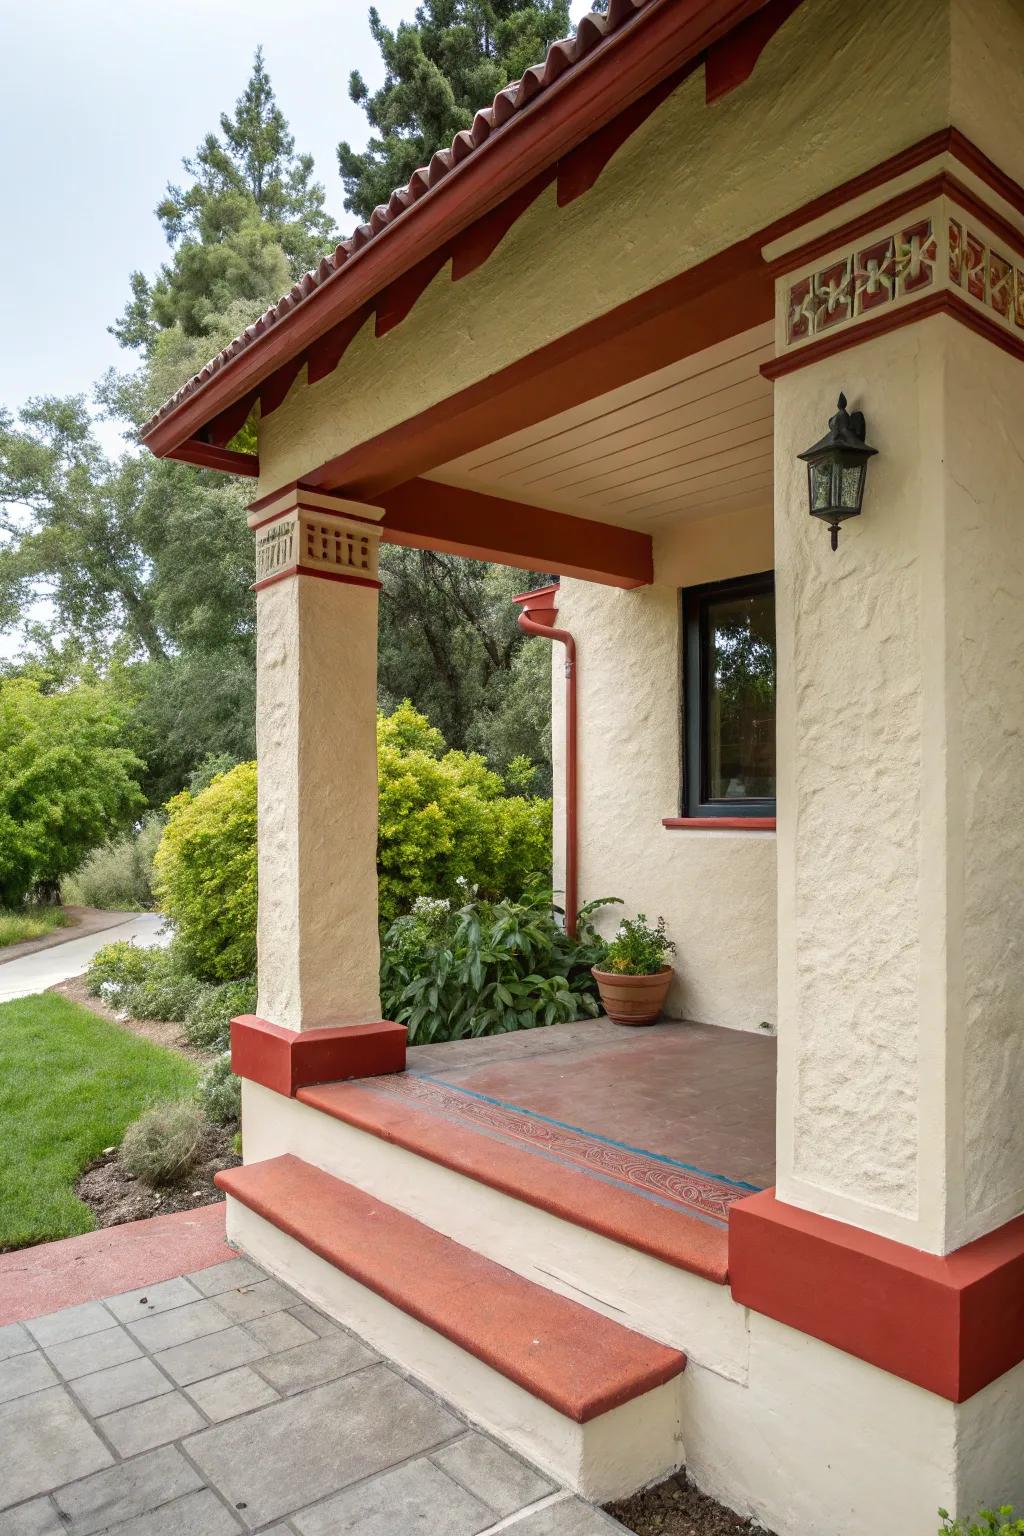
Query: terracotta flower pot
(633, 999)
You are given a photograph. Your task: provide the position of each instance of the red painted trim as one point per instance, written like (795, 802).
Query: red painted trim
(950, 1325)
(943, 302)
(578, 171)
(287, 1060)
(325, 354)
(223, 428)
(481, 240)
(274, 391)
(944, 183)
(971, 156)
(399, 297)
(429, 515)
(722, 823)
(729, 293)
(209, 456)
(732, 60)
(662, 38)
(310, 570)
(581, 1363)
(670, 1235)
(538, 612)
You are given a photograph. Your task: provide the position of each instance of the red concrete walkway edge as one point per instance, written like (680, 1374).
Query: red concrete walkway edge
(34, 1281)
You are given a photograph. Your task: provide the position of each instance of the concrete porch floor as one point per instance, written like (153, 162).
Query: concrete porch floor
(693, 1094)
(219, 1402)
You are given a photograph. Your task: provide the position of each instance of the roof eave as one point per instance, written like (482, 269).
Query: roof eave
(665, 36)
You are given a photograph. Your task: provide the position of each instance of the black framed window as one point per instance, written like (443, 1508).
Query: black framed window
(729, 698)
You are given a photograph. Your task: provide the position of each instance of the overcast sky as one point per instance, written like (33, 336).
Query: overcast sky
(99, 100)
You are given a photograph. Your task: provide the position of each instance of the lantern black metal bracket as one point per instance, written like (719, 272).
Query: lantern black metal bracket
(837, 468)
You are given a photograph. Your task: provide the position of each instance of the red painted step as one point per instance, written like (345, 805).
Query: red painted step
(576, 1360)
(673, 1236)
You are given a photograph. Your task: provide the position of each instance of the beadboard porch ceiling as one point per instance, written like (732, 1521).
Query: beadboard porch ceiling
(691, 440)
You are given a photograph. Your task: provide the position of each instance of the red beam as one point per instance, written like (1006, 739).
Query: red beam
(665, 36)
(209, 456)
(428, 515)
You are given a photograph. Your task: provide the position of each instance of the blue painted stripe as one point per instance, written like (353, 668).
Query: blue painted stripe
(579, 1130)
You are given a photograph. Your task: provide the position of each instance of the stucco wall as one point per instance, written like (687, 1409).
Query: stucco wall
(985, 638)
(716, 890)
(901, 857)
(690, 182)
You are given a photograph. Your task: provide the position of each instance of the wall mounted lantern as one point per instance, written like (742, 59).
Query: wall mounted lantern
(837, 467)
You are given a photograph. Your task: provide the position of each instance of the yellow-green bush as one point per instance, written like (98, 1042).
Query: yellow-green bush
(206, 874)
(444, 817)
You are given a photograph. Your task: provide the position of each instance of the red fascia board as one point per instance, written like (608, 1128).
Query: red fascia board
(661, 39)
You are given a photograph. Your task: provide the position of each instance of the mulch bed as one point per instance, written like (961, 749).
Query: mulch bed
(676, 1508)
(114, 1196)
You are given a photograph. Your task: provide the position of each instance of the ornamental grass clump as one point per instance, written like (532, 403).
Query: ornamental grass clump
(164, 1143)
(486, 968)
(638, 949)
(219, 1093)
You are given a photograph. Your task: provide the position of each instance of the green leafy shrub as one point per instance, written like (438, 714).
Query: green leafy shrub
(208, 1018)
(65, 784)
(164, 1142)
(445, 817)
(115, 967)
(987, 1522)
(206, 875)
(487, 967)
(119, 876)
(219, 1093)
(638, 949)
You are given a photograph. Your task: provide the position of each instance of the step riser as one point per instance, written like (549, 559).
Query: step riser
(680, 1309)
(606, 1458)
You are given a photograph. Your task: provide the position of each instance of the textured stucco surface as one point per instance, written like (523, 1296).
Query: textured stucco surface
(690, 182)
(987, 68)
(985, 497)
(901, 861)
(716, 890)
(316, 743)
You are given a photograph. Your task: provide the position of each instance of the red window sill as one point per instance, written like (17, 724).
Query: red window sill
(722, 823)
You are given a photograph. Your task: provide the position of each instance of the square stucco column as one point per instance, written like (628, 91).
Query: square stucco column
(317, 594)
(901, 757)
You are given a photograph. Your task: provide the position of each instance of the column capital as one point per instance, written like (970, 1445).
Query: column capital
(303, 532)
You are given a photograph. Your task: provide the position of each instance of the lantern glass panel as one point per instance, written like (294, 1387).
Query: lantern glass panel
(852, 480)
(820, 481)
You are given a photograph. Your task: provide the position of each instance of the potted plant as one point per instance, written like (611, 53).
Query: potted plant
(634, 976)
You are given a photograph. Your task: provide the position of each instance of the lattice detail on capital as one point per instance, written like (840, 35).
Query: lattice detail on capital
(330, 543)
(307, 539)
(938, 247)
(276, 548)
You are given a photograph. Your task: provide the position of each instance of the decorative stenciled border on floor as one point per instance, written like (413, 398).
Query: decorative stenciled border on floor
(936, 247)
(647, 1173)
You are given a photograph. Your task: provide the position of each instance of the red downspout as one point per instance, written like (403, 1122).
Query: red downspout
(537, 617)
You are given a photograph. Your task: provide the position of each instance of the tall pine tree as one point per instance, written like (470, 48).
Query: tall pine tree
(440, 69)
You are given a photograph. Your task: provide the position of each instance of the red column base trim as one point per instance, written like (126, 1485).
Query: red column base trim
(287, 1059)
(950, 1325)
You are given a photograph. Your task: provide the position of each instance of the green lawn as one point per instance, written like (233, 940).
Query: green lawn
(28, 923)
(70, 1083)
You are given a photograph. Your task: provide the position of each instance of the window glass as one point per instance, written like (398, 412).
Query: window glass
(739, 697)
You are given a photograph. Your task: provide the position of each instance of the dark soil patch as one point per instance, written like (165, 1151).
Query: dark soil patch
(161, 1033)
(114, 1196)
(676, 1508)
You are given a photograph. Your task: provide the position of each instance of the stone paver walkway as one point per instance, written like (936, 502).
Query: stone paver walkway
(219, 1402)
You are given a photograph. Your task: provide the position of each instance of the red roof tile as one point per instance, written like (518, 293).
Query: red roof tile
(561, 56)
